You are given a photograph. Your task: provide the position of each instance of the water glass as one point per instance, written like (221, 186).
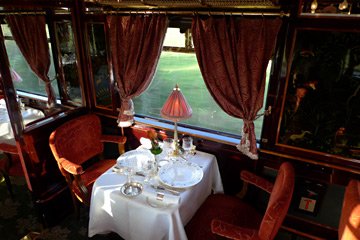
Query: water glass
(187, 144)
(168, 146)
(149, 168)
(129, 172)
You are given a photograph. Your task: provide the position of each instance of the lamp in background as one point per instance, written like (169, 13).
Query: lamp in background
(15, 76)
(313, 6)
(175, 109)
(125, 119)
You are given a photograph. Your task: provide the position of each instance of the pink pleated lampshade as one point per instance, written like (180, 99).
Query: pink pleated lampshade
(176, 107)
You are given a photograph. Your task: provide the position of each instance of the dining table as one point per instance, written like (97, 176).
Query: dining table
(28, 115)
(159, 211)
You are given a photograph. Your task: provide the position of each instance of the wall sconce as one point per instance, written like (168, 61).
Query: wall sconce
(314, 6)
(343, 5)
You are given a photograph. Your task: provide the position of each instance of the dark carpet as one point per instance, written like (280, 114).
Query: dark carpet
(19, 220)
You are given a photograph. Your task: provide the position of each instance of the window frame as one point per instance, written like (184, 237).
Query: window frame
(52, 17)
(183, 128)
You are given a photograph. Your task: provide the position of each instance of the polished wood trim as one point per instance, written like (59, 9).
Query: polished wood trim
(82, 65)
(308, 160)
(310, 228)
(16, 4)
(302, 234)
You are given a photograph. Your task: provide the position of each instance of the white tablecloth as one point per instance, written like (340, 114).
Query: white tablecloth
(28, 115)
(135, 219)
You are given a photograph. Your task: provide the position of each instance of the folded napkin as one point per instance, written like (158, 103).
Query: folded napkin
(160, 197)
(145, 143)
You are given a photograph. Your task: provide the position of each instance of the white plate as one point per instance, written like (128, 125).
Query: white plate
(180, 174)
(135, 159)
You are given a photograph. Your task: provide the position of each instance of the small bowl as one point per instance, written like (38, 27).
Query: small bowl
(131, 189)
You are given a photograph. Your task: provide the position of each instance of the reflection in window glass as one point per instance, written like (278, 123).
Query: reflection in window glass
(182, 69)
(322, 104)
(99, 64)
(71, 85)
(29, 82)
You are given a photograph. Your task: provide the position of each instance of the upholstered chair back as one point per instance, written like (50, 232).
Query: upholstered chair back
(349, 227)
(78, 140)
(279, 202)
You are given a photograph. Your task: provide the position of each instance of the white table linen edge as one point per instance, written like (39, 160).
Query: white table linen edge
(106, 215)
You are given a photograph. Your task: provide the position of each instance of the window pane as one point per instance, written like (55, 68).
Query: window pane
(174, 38)
(99, 64)
(183, 69)
(30, 82)
(321, 111)
(68, 60)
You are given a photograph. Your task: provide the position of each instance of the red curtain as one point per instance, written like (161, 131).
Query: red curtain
(29, 33)
(233, 54)
(136, 43)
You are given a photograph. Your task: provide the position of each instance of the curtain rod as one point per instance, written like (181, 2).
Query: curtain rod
(22, 13)
(33, 13)
(281, 14)
(215, 13)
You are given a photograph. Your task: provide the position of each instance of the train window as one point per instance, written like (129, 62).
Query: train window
(26, 81)
(178, 65)
(99, 63)
(69, 79)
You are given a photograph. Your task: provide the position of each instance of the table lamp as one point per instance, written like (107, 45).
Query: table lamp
(175, 109)
(126, 119)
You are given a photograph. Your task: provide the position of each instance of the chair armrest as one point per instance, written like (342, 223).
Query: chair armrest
(231, 231)
(70, 167)
(8, 148)
(113, 139)
(260, 182)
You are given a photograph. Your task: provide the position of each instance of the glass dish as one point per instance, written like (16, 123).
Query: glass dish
(135, 159)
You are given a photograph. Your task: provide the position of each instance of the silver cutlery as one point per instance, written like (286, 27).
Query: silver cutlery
(123, 171)
(161, 188)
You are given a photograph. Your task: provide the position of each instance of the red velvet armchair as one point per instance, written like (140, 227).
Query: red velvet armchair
(349, 226)
(75, 146)
(230, 217)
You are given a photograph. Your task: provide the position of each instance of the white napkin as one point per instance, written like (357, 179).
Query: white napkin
(145, 143)
(159, 197)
